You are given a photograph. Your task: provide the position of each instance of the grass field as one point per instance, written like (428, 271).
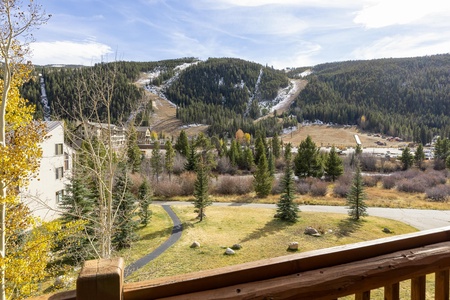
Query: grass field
(260, 235)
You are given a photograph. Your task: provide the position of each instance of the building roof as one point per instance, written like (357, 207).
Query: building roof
(51, 125)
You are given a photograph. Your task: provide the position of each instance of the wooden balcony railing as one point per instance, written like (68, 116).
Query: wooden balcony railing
(330, 273)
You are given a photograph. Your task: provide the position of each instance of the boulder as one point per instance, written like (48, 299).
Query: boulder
(229, 251)
(236, 247)
(311, 231)
(195, 244)
(386, 230)
(293, 246)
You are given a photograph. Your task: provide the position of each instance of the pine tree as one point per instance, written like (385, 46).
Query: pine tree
(276, 146)
(419, 156)
(191, 163)
(124, 205)
(271, 164)
(288, 210)
(156, 161)
(247, 159)
(144, 198)
(356, 196)
(406, 158)
(169, 158)
(78, 203)
(182, 144)
(263, 180)
(307, 161)
(133, 151)
(202, 199)
(288, 152)
(358, 150)
(333, 165)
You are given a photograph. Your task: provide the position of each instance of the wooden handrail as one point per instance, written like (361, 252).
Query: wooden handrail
(321, 274)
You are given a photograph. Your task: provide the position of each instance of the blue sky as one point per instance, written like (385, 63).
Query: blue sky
(280, 33)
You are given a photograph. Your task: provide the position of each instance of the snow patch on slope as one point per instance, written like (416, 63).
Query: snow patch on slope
(283, 97)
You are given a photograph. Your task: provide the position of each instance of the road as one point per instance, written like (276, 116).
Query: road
(418, 218)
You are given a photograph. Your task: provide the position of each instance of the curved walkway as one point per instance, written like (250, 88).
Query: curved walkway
(174, 237)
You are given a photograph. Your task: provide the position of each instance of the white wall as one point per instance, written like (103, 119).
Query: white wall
(40, 195)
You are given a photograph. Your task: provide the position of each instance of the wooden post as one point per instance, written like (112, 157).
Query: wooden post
(442, 285)
(101, 280)
(392, 292)
(418, 288)
(363, 296)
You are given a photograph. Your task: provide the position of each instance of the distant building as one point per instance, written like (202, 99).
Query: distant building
(44, 192)
(100, 130)
(143, 135)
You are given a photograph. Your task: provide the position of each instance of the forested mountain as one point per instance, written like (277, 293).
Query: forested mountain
(408, 97)
(61, 85)
(226, 93)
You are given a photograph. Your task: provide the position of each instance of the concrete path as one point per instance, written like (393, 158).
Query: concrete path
(174, 237)
(421, 219)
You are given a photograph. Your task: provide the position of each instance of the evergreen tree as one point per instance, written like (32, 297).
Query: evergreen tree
(124, 204)
(156, 161)
(356, 196)
(191, 163)
(358, 150)
(263, 180)
(247, 159)
(288, 210)
(234, 153)
(202, 199)
(169, 158)
(419, 156)
(260, 148)
(78, 204)
(288, 152)
(271, 164)
(182, 144)
(333, 165)
(144, 198)
(276, 146)
(406, 158)
(307, 161)
(133, 151)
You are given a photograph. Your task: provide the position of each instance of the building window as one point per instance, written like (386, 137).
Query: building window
(66, 161)
(58, 149)
(59, 195)
(59, 172)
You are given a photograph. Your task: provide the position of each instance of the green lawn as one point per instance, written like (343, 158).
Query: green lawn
(260, 235)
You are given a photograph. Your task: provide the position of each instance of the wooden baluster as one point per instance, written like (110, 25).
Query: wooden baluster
(392, 292)
(418, 288)
(441, 291)
(362, 296)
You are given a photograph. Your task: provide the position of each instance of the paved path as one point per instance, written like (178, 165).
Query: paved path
(174, 237)
(421, 219)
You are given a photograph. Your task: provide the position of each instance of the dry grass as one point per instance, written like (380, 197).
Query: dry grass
(260, 235)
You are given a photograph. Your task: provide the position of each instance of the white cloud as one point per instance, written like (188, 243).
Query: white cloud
(68, 52)
(404, 46)
(382, 13)
(253, 3)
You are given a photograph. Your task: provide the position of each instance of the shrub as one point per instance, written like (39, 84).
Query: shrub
(277, 186)
(368, 163)
(341, 190)
(233, 185)
(433, 178)
(438, 193)
(187, 181)
(224, 166)
(318, 188)
(178, 164)
(370, 181)
(302, 187)
(167, 188)
(415, 185)
(388, 182)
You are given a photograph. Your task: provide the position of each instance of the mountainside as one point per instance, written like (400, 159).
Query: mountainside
(408, 97)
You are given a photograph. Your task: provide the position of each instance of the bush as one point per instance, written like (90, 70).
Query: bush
(438, 193)
(233, 185)
(388, 182)
(341, 190)
(166, 188)
(371, 181)
(318, 188)
(224, 166)
(277, 186)
(415, 185)
(187, 181)
(178, 164)
(368, 163)
(302, 187)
